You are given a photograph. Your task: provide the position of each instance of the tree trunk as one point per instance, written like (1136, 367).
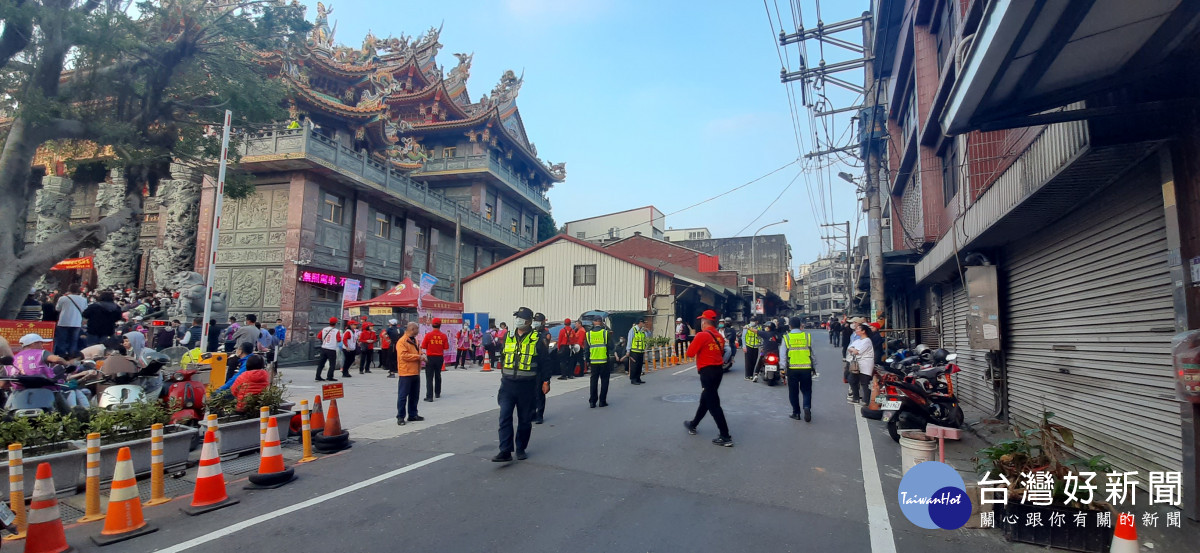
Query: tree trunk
(116, 260)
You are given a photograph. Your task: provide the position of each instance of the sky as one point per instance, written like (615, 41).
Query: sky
(650, 102)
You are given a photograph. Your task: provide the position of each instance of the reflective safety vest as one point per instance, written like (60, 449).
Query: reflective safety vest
(598, 345)
(639, 341)
(518, 355)
(752, 340)
(799, 356)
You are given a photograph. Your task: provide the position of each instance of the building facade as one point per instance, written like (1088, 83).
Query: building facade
(603, 229)
(766, 262)
(825, 286)
(675, 235)
(1016, 197)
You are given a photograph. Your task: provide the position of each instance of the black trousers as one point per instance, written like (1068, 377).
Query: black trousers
(710, 399)
(349, 362)
(751, 361)
(636, 360)
(521, 396)
(600, 374)
(493, 352)
(799, 382)
(539, 408)
(408, 393)
(433, 376)
(327, 356)
(365, 358)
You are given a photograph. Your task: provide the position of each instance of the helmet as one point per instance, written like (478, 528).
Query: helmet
(523, 313)
(939, 356)
(921, 349)
(895, 344)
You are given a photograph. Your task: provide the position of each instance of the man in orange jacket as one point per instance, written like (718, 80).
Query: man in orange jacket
(408, 369)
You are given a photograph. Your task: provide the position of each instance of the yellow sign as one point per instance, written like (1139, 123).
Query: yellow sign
(380, 311)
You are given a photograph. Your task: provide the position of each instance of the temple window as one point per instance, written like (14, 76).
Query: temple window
(333, 209)
(448, 153)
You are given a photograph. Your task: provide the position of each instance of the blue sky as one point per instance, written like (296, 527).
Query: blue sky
(648, 102)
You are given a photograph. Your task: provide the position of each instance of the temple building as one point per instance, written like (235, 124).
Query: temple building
(385, 170)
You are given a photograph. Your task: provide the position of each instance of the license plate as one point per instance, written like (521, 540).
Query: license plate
(890, 405)
(772, 368)
(6, 515)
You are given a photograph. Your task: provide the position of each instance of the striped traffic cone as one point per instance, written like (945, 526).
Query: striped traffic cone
(210, 481)
(271, 471)
(124, 518)
(1125, 538)
(45, 533)
(333, 438)
(317, 419)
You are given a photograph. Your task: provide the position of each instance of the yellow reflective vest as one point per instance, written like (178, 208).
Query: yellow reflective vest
(799, 355)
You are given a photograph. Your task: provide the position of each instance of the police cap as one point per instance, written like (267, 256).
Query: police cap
(523, 313)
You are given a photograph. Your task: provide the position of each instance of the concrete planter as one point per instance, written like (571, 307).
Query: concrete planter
(66, 465)
(177, 441)
(241, 436)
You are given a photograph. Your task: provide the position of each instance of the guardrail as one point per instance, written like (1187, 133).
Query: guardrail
(491, 162)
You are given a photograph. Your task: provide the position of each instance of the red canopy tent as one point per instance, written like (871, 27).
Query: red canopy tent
(404, 295)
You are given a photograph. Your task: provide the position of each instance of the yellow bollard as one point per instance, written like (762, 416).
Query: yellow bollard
(16, 491)
(158, 494)
(92, 490)
(306, 432)
(264, 414)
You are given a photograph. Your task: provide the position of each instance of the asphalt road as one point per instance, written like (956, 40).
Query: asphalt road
(627, 477)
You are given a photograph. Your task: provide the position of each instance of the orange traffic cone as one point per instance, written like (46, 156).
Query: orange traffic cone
(333, 438)
(210, 481)
(487, 367)
(124, 517)
(316, 421)
(1125, 536)
(45, 533)
(271, 471)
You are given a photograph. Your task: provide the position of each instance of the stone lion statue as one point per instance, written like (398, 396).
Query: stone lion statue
(190, 304)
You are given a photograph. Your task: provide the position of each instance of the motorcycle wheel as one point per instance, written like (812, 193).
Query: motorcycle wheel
(952, 419)
(912, 418)
(771, 381)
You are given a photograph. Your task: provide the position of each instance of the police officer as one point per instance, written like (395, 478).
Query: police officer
(750, 345)
(539, 326)
(600, 350)
(637, 351)
(523, 368)
(797, 360)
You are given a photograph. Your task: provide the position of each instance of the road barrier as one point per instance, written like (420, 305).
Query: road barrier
(306, 432)
(16, 490)
(158, 494)
(92, 481)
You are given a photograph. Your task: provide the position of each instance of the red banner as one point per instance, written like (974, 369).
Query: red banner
(73, 264)
(14, 330)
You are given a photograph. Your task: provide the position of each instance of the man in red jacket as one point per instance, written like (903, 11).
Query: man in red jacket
(434, 347)
(566, 338)
(708, 348)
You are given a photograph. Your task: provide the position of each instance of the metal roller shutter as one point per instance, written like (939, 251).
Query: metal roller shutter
(972, 385)
(1090, 322)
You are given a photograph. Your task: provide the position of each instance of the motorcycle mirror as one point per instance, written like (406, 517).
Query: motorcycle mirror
(952, 357)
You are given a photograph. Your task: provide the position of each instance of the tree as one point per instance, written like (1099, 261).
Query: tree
(150, 82)
(546, 227)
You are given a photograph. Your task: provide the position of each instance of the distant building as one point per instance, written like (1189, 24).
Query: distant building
(825, 282)
(603, 229)
(675, 235)
(766, 264)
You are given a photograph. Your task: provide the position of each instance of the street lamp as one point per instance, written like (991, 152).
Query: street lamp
(754, 266)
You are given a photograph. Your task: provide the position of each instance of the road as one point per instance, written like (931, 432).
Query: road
(627, 477)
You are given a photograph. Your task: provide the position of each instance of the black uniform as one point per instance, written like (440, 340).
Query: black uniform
(539, 410)
(600, 372)
(519, 392)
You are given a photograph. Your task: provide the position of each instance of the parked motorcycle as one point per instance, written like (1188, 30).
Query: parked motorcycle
(913, 396)
(129, 382)
(185, 394)
(38, 395)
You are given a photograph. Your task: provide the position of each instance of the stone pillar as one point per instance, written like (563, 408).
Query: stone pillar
(116, 260)
(358, 236)
(53, 204)
(180, 216)
(300, 238)
(410, 249)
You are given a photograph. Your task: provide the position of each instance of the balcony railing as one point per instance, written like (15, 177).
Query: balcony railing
(303, 143)
(491, 162)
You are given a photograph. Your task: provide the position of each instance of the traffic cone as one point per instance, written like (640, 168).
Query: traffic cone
(333, 438)
(124, 517)
(317, 418)
(1125, 536)
(487, 367)
(210, 481)
(271, 471)
(45, 533)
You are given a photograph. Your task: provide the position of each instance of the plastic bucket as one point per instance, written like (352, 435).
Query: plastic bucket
(916, 448)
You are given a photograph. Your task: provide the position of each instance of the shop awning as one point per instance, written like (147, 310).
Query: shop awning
(404, 295)
(1030, 56)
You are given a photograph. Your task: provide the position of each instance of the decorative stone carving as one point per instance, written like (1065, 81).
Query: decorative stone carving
(53, 205)
(190, 286)
(273, 288)
(247, 288)
(279, 209)
(180, 198)
(252, 212)
(116, 260)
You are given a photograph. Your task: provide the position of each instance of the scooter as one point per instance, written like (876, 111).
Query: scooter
(908, 405)
(37, 396)
(187, 395)
(770, 369)
(130, 383)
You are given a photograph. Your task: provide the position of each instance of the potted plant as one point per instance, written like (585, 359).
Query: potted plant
(48, 438)
(131, 428)
(238, 421)
(1046, 448)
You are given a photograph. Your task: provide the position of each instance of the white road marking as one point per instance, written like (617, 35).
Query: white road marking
(882, 539)
(302, 505)
(689, 368)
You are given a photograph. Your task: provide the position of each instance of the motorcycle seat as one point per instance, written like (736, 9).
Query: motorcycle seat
(931, 373)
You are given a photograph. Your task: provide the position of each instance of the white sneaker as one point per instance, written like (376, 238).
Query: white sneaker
(851, 401)
(755, 379)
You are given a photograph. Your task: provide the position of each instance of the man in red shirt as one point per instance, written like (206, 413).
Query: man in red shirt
(366, 346)
(579, 340)
(433, 346)
(708, 348)
(566, 337)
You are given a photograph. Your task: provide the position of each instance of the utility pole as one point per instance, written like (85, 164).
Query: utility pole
(873, 127)
(849, 261)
